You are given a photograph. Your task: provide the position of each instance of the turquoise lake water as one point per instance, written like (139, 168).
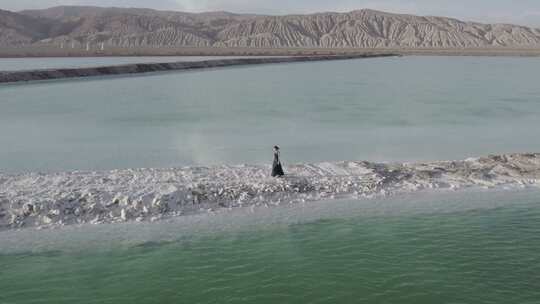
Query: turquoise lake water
(474, 247)
(464, 247)
(386, 109)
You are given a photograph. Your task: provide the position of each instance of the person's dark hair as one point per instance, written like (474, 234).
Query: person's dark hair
(276, 147)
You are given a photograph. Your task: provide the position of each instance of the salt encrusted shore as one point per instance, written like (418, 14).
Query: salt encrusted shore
(50, 74)
(56, 199)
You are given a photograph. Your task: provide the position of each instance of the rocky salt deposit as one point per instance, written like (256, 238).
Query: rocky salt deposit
(56, 199)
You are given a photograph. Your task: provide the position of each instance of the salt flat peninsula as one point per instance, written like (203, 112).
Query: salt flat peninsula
(57, 199)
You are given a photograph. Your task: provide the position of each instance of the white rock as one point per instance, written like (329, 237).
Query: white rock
(54, 212)
(46, 220)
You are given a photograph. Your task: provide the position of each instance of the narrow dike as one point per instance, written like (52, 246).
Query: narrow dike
(49, 74)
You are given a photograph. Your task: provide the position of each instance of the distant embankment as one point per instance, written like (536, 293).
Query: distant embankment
(47, 50)
(49, 74)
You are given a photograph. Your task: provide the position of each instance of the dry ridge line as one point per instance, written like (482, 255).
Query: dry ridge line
(49, 74)
(91, 28)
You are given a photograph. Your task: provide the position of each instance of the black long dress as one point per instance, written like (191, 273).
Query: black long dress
(277, 170)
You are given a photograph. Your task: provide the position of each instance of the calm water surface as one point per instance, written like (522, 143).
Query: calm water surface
(471, 247)
(410, 108)
(477, 247)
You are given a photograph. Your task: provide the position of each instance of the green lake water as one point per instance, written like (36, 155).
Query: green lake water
(472, 247)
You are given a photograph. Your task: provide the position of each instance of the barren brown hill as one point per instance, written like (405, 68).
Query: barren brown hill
(131, 27)
(16, 29)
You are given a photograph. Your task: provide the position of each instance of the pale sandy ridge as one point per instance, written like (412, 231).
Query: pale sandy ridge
(45, 50)
(56, 199)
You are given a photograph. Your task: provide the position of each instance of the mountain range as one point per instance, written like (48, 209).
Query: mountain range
(134, 27)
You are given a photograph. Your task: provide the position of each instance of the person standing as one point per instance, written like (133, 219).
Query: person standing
(277, 169)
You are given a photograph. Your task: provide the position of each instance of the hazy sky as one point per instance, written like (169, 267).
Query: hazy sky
(517, 11)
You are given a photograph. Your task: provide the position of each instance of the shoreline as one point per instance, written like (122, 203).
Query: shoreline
(52, 51)
(81, 237)
(144, 195)
(128, 69)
